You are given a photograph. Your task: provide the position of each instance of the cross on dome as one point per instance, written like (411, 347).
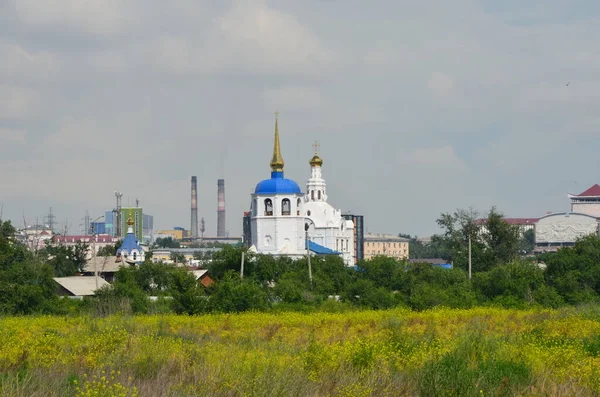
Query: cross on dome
(316, 161)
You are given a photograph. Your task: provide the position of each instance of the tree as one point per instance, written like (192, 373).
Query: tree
(575, 271)
(528, 241)
(188, 295)
(110, 249)
(166, 242)
(66, 260)
(497, 243)
(501, 238)
(233, 294)
(26, 284)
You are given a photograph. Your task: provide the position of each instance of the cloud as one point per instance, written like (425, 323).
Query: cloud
(442, 158)
(250, 37)
(440, 85)
(101, 17)
(404, 97)
(16, 102)
(21, 64)
(14, 136)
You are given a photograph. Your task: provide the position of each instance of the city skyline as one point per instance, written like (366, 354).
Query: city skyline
(419, 109)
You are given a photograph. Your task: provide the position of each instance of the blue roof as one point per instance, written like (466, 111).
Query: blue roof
(277, 185)
(320, 250)
(130, 242)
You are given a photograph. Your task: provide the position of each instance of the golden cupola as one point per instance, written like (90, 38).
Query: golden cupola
(316, 161)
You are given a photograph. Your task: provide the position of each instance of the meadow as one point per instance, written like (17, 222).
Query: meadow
(439, 352)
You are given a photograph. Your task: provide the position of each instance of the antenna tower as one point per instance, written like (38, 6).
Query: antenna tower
(50, 220)
(86, 223)
(117, 212)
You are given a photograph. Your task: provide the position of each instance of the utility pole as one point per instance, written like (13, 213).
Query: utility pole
(308, 256)
(469, 256)
(242, 266)
(93, 234)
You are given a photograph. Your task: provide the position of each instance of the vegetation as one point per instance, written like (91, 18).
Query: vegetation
(501, 278)
(440, 352)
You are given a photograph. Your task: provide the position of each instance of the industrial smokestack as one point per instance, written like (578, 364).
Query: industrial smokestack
(194, 220)
(221, 208)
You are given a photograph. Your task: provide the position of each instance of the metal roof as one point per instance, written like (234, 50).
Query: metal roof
(80, 285)
(277, 185)
(593, 191)
(320, 250)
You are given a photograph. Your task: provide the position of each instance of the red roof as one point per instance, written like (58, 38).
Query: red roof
(593, 191)
(74, 239)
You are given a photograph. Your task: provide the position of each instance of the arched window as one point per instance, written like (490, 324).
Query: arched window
(286, 207)
(312, 194)
(319, 194)
(298, 206)
(268, 207)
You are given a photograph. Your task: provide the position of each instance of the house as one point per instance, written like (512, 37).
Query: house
(79, 286)
(202, 276)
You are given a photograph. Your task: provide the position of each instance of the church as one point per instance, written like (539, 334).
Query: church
(283, 220)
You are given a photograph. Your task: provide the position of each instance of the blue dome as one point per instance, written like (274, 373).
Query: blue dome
(129, 244)
(277, 185)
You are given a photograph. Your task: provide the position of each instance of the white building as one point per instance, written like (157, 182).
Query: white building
(130, 251)
(285, 221)
(277, 220)
(587, 202)
(563, 229)
(326, 225)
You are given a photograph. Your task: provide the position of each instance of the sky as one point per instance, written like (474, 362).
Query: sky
(419, 107)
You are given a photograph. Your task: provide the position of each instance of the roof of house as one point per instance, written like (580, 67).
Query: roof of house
(384, 237)
(80, 285)
(320, 250)
(432, 261)
(593, 191)
(103, 264)
(84, 238)
(198, 273)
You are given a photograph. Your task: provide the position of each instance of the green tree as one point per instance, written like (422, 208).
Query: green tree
(166, 242)
(497, 243)
(110, 249)
(233, 294)
(528, 241)
(188, 295)
(501, 238)
(575, 271)
(26, 284)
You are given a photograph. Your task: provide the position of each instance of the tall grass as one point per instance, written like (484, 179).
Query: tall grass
(441, 352)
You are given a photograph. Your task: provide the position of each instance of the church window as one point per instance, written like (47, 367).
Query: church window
(268, 207)
(308, 212)
(312, 194)
(285, 207)
(298, 206)
(319, 194)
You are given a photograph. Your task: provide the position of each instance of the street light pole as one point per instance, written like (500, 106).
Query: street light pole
(94, 235)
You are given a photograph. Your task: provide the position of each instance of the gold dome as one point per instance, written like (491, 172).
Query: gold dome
(130, 221)
(316, 161)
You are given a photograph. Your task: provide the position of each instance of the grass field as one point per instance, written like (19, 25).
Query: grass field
(476, 352)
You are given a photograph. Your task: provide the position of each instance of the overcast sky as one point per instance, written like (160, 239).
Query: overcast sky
(420, 107)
